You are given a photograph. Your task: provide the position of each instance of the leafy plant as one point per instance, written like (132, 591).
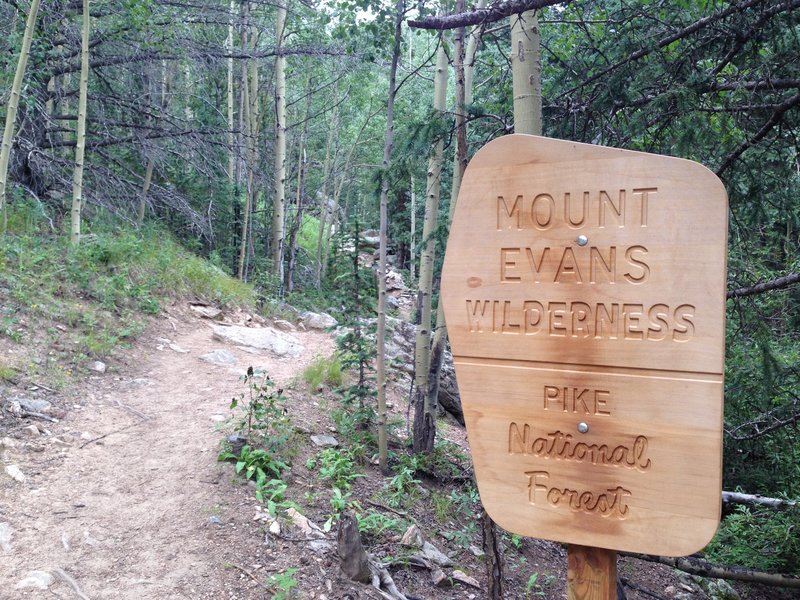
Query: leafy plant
(262, 467)
(265, 422)
(338, 467)
(283, 584)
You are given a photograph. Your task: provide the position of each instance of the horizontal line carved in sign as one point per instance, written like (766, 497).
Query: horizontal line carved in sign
(606, 370)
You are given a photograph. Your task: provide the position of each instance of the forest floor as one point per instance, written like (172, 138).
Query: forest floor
(124, 496)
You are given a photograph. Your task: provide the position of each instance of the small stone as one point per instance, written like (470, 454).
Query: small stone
(14, 472)
(86, 436)
(214, 520)
(438, 578)
(34, 405)
(433, 554)
(31, 431)
(318, 320)
(413, 537)
(7, 442)
(320, 546)
(284, 325)
(218, 418)
(462, 577)
(221, 358)
(98, 366)
(59, 443)
(308, 527)
(477, 552)
(275, 528)
(208, 312)
(178, 349)
(40, 580)
(324, 441)
(5, 537)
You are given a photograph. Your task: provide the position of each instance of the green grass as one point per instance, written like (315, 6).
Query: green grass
(322, 370)
(66, 305)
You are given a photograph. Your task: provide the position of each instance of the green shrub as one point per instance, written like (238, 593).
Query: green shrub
(759, 538)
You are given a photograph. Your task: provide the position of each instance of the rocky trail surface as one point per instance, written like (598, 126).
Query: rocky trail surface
(124, 496)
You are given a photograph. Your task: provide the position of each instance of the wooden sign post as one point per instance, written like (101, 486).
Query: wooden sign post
(584, 290)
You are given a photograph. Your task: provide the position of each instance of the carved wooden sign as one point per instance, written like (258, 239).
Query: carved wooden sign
(584, 290)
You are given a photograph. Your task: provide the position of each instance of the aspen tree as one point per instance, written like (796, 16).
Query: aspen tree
(279, 202)
(388, 144)
(424, 430)
(13, 105)
(463, 64)
(80, 146)
(526, 71)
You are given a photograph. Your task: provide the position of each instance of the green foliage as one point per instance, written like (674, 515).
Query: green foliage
(759, 538)
(402, 489)
(283, 584)
(265, 421)
(338, 466)
(536, 589)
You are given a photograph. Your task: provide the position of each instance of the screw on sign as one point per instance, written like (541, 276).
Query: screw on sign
(584, 291)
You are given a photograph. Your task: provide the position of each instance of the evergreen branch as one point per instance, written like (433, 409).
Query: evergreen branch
(666, 41)
(761, 133)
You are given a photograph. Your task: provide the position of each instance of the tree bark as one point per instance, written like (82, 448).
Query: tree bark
(279, 201)
(703, 568)
(388, 144)
(13, 105)
(494, 557)
(424, 430)
(80, 146)
(463, 66)
(527, 73)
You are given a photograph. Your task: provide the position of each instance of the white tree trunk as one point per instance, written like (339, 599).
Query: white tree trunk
(279, 202)
(526, 70)
(80, 146)
(13, 105)
(424, 406)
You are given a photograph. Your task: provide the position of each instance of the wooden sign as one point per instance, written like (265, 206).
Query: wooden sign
(584, 290)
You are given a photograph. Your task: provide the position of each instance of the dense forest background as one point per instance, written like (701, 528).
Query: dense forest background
(254, 134)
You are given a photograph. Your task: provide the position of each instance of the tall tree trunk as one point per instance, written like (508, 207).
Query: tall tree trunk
(424, 430)
(324, 201)
(526, 70)
(229, 99)
(388, 144)
(298, 199)
(77, 176)
(148, 172)
(279, 202)
(13, 105)
(464, 69)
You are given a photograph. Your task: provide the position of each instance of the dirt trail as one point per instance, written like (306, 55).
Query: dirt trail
(145, 512)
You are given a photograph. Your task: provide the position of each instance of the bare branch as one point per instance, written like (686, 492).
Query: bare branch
(703, 568)
(765, 286)
(490, 14)
(756, 500)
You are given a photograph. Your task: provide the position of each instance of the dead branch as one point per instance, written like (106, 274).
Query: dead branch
(765, 286)
(36, 415)
(489, 14)
(756, 500)
(703, 568)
